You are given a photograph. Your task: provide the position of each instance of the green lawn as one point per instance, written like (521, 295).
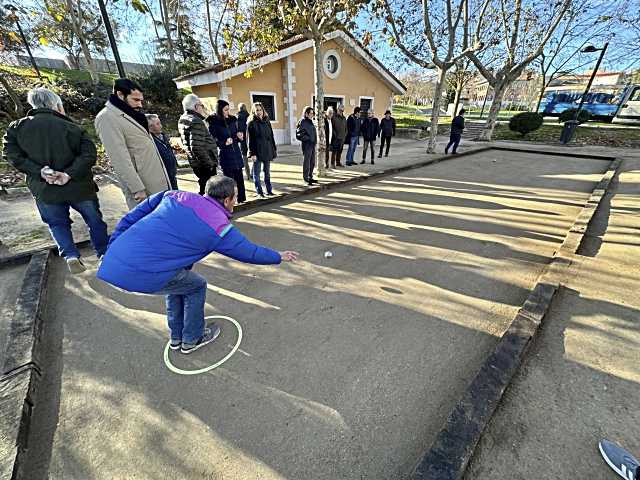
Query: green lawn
(53, 75)
(550, 133)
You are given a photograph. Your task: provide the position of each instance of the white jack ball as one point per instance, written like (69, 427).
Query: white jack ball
(328, 254)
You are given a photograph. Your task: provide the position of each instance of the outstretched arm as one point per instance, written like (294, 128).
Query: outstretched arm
(237, 246)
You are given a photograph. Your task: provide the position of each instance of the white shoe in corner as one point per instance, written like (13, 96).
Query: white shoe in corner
(75, 265)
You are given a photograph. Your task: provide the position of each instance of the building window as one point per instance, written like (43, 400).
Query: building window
(332, 64)
(366, 104)
(268, 101)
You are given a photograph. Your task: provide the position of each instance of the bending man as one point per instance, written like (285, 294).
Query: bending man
(183, 228)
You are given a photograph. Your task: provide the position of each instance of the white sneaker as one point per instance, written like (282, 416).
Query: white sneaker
(75, 265)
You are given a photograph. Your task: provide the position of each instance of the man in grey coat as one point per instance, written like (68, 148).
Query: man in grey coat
(202, 151)
(124, 132)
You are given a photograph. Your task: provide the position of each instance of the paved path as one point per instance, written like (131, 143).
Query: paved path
(348, 366)
(581, 382)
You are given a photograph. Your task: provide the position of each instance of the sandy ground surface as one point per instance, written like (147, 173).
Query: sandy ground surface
(10, 281)
(21, 228)
(348, 366)
(581, 382)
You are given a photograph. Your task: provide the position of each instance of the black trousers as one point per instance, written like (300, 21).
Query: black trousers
(336, 155)
(236, 174)
(454, 139)
(384, 139)
(204, 174)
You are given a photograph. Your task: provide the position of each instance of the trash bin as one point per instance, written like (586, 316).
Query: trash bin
(568, 131)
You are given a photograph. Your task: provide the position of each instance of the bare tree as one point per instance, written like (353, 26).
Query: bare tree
(434, 37)
(459, 78)
(515, 32)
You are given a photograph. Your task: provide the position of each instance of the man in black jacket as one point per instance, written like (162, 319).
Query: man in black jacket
(370, 129)
(306, 133)
(457, 127)
(57, 156)
(354, 122)
(164, 148)
(387, 130)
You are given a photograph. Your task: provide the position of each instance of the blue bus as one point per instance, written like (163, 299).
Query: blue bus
(604, 103)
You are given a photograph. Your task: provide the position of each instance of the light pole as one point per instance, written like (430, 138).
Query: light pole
(14, 16)
(591, 49)
(570, 126)
(112, 40)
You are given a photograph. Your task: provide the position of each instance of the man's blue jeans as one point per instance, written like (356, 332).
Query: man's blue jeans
(257, 165)
(56, 215)
(353, 143)
(185, 294)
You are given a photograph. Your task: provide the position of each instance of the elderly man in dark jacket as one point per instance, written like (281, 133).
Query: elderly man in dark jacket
(57, 156)
(197, 141)
(164, 148)
(339, 136)
(457, 127)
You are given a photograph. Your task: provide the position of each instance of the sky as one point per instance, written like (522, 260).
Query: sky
(135, 46)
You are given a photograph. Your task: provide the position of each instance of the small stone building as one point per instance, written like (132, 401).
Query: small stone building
(283, 81)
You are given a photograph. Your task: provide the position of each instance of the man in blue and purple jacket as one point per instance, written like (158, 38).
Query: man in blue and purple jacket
(155, 245)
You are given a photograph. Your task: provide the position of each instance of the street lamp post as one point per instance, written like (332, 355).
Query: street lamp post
(591, 49)
(14, 16)
(570, 126)
(112, 40)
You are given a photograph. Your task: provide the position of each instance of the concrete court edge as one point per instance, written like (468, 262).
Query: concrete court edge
(21, 373)
(18, 383)
(453, 448)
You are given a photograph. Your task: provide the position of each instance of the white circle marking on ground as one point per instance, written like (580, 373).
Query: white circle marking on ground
(180, 371)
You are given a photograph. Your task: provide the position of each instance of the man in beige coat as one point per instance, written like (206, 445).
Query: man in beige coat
(124, 132)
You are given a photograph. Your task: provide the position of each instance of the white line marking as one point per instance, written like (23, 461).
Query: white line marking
(180, 371)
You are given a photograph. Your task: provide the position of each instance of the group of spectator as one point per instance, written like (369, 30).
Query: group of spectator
(57, 155)
(340, 131)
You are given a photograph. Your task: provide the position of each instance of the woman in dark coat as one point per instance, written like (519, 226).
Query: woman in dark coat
(224, 128)
(262, 146)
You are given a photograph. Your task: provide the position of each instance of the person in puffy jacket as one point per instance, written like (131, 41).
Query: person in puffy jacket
(197, 141)
(154, 247)
(339, 136)
(306, 133)
(224, 128)
(262, 146)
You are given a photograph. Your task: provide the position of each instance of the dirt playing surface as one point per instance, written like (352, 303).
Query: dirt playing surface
(581, 380)
(349, 365)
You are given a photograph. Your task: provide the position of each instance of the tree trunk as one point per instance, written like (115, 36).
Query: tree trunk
(435, 110)
(456, 102)
(19, 109)
(91, 66)
(319, 93)
(75, 15)
(212, 42)
(164, 12)
(498, 94)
